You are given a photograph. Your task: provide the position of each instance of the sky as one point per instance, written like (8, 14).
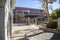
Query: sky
(34, 4)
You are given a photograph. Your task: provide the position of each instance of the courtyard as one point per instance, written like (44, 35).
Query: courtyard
(32, 32)
(34, 14)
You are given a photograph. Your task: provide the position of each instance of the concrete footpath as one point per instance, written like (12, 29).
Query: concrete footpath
(32, 33)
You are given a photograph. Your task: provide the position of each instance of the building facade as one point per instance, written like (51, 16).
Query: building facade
(31, 15)
(6, 14)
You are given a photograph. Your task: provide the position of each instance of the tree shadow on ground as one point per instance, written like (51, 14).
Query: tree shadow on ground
(23, 39)
(56, 36)
(26, 37)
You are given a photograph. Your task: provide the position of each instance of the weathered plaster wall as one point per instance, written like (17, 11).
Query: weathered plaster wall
(2, 27)
(6, 8)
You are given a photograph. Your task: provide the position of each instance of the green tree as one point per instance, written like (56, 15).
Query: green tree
(45, 6)
(19, 17)
(55, 13)
(58, 12)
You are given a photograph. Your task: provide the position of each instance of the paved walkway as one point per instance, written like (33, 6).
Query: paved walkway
(32, 32)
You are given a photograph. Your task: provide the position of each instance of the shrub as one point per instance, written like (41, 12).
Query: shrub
(52, 25)
(38, 22)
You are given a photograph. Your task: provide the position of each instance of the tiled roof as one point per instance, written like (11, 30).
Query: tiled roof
(31, 9)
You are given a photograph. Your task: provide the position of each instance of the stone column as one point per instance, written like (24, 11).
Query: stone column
(35, 20)
(32, 20)
(58, 23)
(11, 22)
(28, 21)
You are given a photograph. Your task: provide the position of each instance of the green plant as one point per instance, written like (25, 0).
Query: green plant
(38, 22)
(19, 17)
(55, 14)
(52, 25)
(57, 29)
